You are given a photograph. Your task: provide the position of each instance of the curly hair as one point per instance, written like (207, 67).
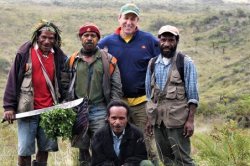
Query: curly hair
(49, 26)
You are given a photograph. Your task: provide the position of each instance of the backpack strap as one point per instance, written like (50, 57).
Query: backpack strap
(180, 65)
(72, 59)
(152, 64)
(112, 65)
(110, 60)
(152, 82)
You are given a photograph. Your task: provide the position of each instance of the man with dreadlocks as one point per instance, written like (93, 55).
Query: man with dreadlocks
(27, 89)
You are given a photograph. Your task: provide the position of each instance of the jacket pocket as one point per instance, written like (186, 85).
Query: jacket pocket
(178, 114)
(180, 93)
(151, 110)
(26, 98)
(171, 92)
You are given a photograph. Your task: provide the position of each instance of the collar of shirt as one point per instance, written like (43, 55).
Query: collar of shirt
(163, 60)
(117, 142)
(115, 136)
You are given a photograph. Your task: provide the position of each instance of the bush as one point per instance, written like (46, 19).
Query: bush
(225, 146)
(58, 123)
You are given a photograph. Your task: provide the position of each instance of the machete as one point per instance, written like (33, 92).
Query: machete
(66, 105)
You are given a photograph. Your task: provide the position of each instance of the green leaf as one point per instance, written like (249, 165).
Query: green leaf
(58, 123)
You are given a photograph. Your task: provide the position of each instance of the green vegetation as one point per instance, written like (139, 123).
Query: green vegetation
(215, 35)
(58, 123)
(225, 146)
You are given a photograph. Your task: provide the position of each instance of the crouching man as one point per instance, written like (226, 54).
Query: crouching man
(119, 142)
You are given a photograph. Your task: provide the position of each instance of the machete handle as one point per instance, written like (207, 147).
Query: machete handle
(3, 120)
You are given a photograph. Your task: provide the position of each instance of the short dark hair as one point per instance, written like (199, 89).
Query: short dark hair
(118, 103)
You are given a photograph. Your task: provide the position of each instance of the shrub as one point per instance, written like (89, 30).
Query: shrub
(58, 123)
(225, 146)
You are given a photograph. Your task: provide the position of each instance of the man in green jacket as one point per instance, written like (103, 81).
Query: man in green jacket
(95, 75)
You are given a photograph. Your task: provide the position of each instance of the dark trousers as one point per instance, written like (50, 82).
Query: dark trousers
(173, 148)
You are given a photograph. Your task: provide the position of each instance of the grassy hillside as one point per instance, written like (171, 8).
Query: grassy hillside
(216, 36)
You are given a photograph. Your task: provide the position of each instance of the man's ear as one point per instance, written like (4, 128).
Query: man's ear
(106, 118)
(79, 37)
(119, 16)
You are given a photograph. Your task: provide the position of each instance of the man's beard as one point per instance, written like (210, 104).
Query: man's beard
(169, 54)
(88, 52)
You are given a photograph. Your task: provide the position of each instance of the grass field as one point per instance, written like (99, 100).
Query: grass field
(216, 36)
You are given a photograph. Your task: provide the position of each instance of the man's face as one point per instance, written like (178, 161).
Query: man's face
(46, 41)
(128, 23)
(118, 119)
(89, 41)
(168, 44)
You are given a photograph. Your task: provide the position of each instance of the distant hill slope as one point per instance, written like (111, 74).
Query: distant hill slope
(215, 36)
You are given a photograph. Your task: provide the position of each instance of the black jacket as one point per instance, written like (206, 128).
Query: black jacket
(132, 148)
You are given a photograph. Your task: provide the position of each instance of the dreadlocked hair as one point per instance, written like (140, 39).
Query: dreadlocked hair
(49, 25)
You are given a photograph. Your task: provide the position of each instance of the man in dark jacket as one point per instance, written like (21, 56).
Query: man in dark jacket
(118, 142)
(27, 89)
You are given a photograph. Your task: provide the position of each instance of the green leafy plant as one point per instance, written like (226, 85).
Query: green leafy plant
(226, 145)
(58, 123)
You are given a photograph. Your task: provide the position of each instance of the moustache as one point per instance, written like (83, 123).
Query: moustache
(89, 43)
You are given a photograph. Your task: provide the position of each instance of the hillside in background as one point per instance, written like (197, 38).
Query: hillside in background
(215, 35)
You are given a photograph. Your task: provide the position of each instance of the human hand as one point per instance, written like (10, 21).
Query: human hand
(149, 128)
(9, 116)
(188, 128)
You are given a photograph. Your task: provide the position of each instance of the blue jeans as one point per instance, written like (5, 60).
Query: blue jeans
(29, 131)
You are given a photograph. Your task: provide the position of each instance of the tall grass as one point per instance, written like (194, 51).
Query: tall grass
(225, 146)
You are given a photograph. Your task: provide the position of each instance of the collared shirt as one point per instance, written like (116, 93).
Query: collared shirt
(117, 142)
(161, 75)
